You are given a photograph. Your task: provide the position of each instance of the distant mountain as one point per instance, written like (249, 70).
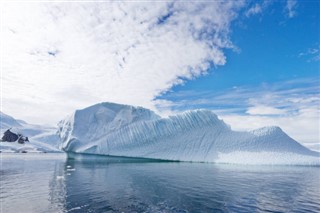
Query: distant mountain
(7, 121)
(42, 138)
(199, 135)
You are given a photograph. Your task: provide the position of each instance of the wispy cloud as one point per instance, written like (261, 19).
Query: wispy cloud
(311, 54)
(293, 105)
(255, 9)
(63, 56)
(291, 8)
(265, 110)
(258, 7)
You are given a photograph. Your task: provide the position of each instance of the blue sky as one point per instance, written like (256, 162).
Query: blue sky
(277, 61)
(272, 48)
(254, 63)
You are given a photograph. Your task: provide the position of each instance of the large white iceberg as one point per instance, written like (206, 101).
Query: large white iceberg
(199, 135)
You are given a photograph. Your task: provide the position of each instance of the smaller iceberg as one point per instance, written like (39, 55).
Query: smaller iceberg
(199, 136)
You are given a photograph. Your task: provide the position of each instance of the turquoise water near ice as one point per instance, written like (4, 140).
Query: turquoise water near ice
(53, 183)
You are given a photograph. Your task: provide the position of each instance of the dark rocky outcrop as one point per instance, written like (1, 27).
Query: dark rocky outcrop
(9, 136)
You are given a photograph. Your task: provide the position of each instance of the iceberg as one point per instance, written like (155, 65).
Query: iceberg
(198, 136)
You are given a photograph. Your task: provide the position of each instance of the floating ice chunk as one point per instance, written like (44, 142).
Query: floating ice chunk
(60, 177)
(75, 208)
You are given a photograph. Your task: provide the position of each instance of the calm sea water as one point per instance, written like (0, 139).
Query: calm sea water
(52, 183)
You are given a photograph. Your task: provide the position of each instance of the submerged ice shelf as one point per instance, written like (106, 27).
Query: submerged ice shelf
(199, 135)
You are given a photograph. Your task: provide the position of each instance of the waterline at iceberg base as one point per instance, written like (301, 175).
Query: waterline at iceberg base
(197, 136)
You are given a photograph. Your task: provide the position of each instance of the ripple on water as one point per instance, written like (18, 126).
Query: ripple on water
(55, 184)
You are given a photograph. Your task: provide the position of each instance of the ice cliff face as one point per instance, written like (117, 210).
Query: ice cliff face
(121, 130)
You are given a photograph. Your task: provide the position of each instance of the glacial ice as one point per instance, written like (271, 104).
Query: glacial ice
(199, 135)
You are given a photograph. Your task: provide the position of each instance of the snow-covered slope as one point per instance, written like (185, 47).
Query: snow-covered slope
(42, 139)
(7, 121)
(121, 130)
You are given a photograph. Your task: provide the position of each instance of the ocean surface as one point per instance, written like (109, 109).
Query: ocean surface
(52, 183)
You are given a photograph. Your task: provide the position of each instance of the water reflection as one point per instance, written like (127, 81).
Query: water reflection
(28, 183)
(94, 185)
(192, 187)
(57, 188)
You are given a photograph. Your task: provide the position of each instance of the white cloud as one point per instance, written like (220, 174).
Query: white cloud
(265, 110)
(291, 8)
(256, 9)
(57, 57)
(311, 54)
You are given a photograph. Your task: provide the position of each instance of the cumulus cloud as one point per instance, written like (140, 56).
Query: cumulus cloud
(57, 57)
